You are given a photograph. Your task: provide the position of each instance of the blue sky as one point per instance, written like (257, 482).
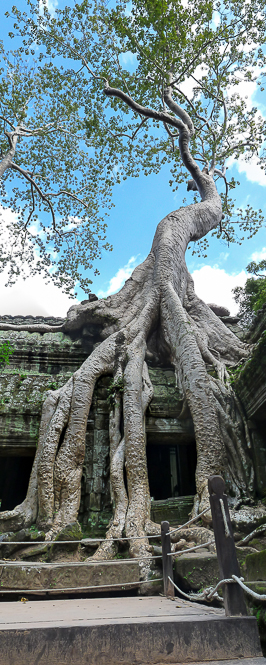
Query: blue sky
(140, 203)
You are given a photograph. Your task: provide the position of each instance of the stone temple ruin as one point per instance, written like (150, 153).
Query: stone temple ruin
(42, 362)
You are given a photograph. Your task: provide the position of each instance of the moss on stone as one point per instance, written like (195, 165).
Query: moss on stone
(255, 566)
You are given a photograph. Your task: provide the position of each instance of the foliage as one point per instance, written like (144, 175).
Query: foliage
(206, 49)
(6, 351)
(114, 388)
(73, 144)
(252, 296)
(51, 181)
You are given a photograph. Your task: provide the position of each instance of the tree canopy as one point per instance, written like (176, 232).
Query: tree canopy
(206, 50)
(51, 181)
(252, 296)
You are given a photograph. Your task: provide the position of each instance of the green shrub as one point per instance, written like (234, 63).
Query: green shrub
(6, 351)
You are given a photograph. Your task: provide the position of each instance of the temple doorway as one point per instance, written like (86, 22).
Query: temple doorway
(171, 469)
(14, 478)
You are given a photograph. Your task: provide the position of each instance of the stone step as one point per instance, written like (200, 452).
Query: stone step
(124, 631)
(78, 577)
(239, 661)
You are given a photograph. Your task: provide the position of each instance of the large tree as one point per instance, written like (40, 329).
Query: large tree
(178, 102)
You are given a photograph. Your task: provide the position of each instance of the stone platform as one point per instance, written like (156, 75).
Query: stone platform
(124, 631)
(45, 578)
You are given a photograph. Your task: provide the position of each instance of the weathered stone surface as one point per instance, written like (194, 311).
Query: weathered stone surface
(70, 532)
(166, 401)
(47, 576)
(196, 571)
(255, 566)
(258, 325)
(249, 382)
(219, 310)
(8, 542)
(183, 429)
(245, 521)
(175, 511)
(21, 398)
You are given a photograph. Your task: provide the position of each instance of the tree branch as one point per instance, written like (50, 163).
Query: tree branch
(143, 110)
(175, 108)
(162, 116)
(43, 196)
(115, 136)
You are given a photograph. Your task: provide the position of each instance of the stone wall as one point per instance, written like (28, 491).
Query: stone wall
(249, 382)
(44, 362)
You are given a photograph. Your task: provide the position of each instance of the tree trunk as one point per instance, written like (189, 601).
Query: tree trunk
(158, 302)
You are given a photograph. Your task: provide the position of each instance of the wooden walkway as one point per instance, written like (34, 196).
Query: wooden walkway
(124, 631)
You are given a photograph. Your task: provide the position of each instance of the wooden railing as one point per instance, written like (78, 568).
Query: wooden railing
(233, 595)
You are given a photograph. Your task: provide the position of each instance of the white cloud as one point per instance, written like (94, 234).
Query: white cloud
(214, 285)
(216, 19)
(259, 256)
(251, 169)
(119, 278)
(189, 84)
(33, 296)
(50, 4)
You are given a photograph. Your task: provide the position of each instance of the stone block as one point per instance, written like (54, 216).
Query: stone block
(90, 423)
(255, 566)
(101, 422)
(97, 485)
(32, 576)
(183, 429)
(88, 469)
(102, 393)
(86, 504)
(95, 501)
(97, 471)
(202, 640)
(175, 511)
(102, 407)
(101, 438)
(196, 570)
(88, 486)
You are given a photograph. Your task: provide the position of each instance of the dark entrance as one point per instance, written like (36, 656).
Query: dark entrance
(171, 469)
(14, 478)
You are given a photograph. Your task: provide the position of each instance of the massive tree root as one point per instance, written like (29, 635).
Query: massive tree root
(156, 313)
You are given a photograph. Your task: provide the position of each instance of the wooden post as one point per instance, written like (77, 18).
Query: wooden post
(234, 600)
(167, 560)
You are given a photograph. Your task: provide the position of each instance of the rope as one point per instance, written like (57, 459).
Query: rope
(256, 531)
(191, 549)
(211, 592)
(258, 596)
(226, 527)
(42, 564)
(73, 542)
(82, 588)
(206, 594)
(187, 523)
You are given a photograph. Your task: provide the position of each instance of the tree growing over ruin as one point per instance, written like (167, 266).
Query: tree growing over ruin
(180, 103)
